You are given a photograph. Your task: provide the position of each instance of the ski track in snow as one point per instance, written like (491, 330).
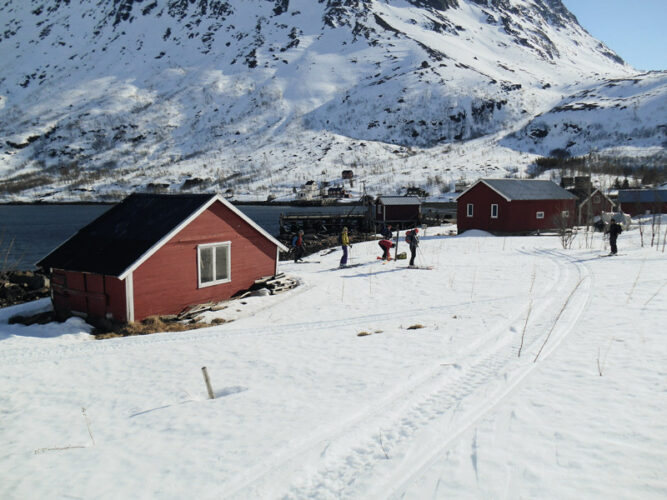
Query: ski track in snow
(18, 355)
(494, 363)
(446, 396)
(387, 437)
(428, 433)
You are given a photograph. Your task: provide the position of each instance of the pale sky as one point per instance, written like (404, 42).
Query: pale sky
(635, 29)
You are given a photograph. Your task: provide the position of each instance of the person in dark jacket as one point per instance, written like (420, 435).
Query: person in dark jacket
(297, 243)
(413, 240)
(386, 232)
(614, 230)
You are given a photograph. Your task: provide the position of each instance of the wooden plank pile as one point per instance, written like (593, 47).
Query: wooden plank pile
(192, 311)
(276, 283)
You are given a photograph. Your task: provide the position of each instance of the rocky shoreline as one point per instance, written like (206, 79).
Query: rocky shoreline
(17, 287)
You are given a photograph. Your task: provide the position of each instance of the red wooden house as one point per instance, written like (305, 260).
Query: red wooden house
(514, 206)
(643, 201)
(156, 254)
(591, 203)
(401, 211)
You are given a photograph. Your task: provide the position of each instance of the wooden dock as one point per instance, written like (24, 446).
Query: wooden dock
(324, 222)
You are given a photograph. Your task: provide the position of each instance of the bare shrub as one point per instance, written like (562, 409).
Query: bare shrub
(566, 233)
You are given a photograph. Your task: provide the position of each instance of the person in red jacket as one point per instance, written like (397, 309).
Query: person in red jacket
(386, 245)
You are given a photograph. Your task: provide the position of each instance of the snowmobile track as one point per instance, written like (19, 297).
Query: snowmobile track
(451, 401)
(439, 393)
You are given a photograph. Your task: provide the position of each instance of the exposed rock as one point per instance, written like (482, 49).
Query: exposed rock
(17, 287)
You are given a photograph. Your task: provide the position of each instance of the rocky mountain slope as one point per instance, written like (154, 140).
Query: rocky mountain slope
(101, 98)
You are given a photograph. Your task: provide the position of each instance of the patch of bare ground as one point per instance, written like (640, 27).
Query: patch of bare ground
(152, 324)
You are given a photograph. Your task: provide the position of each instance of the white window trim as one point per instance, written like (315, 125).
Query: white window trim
(470, 210)
(565, 213)
(228, 244)
(539, 215)
(494, 205)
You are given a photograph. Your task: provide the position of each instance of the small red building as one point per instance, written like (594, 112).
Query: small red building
(643, 201)
(401, 211)
(591, 204)
(156, 254)
(514, 206)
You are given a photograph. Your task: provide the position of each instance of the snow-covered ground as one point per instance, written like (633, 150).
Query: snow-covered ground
(538, 372)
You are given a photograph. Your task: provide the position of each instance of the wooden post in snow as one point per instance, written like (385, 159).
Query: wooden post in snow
(208, 383)
(398, 235)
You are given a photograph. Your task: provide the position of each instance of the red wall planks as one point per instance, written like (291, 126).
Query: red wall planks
(513, 216)
(168, 281)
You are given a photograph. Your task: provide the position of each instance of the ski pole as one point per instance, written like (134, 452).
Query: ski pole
(420, 254)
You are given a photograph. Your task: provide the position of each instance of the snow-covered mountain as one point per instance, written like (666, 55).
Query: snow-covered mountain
(101, 98)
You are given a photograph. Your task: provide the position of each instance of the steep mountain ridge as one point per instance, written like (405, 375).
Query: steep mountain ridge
(110, 97)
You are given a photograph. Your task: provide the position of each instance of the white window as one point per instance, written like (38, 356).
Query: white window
(565, 214)
(540, 215)
(214, 263)
(494, 210)
(469, 209)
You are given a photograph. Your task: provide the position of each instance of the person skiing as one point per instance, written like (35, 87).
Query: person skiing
(345, 242)
(386, 245)
(614, 230)
(412, 237)
(297, 244)
(386, 232)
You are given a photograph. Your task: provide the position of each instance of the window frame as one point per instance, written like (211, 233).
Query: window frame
(494, 205)
(565, 214)
(539, 215)
(226, 244)
(470, 210)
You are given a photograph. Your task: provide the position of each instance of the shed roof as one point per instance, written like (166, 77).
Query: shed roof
(642, 195)
(399, 200)
(525, 189)
(127, 234)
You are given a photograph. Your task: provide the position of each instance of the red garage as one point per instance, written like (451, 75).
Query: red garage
(514, 206)
(157, 254)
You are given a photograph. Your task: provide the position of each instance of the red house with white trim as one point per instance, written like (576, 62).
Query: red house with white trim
(515, 206)
(156, 254)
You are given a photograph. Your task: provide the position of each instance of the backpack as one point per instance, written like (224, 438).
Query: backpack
(408, 236)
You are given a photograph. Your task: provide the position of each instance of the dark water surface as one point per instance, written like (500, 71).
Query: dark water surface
(29, 232)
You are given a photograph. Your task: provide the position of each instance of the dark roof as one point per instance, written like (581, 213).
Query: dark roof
(523, 189)
(116, 239)
(642, 195)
